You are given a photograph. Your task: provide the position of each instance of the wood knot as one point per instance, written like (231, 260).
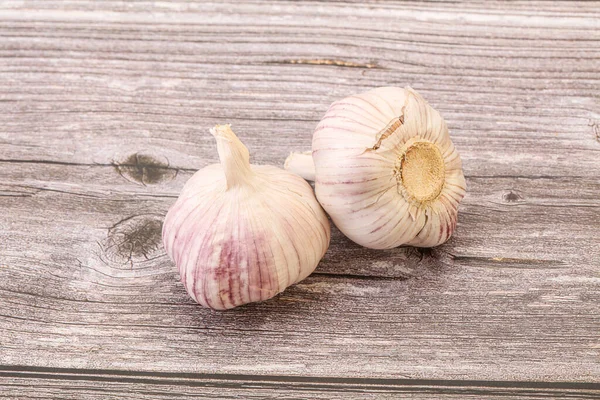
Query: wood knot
(512, 196)
(145, 169)
(134, 239)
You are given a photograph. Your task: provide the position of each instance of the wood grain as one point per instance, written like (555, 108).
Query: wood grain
(104, 114)
(92, 384)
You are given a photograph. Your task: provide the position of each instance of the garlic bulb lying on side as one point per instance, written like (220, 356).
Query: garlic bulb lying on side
(240, 233)
(386, 170)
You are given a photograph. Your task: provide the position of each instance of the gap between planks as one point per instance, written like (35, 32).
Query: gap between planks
(441, 386)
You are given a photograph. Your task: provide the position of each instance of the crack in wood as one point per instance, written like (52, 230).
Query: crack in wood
(332, 62)
(507, 262)
(112, 165)
(359, 277)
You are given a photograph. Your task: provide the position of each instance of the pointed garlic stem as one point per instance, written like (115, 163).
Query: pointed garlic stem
(234, 156)
(301, 163)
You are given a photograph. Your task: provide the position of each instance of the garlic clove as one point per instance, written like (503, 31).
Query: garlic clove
(240, 233)
(385, 169)
(301, 164)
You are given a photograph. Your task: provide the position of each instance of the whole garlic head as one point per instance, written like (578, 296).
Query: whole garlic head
(240, 233)
(386, 170)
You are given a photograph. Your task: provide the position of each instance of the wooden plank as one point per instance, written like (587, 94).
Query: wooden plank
(484, 300)
(103, 384)
(104, 111)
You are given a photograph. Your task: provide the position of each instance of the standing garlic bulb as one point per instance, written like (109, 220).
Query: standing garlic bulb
(241, 233)
(386, 170)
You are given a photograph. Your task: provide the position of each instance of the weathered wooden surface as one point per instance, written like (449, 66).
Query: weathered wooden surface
(104, 111)
(106, 384)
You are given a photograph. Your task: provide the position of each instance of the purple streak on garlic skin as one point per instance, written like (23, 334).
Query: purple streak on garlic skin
(240, 233)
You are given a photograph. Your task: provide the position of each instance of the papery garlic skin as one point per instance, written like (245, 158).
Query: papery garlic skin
(386, 170)
(240, 233)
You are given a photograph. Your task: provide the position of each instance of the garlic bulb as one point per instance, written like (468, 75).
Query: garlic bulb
(386, 170)
(240, 233)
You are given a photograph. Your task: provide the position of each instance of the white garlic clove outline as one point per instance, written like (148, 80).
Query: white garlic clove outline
(385, 169)
(241, 233)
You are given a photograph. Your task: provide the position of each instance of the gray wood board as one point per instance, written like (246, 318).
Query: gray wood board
(106, 384)
(104, 114)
